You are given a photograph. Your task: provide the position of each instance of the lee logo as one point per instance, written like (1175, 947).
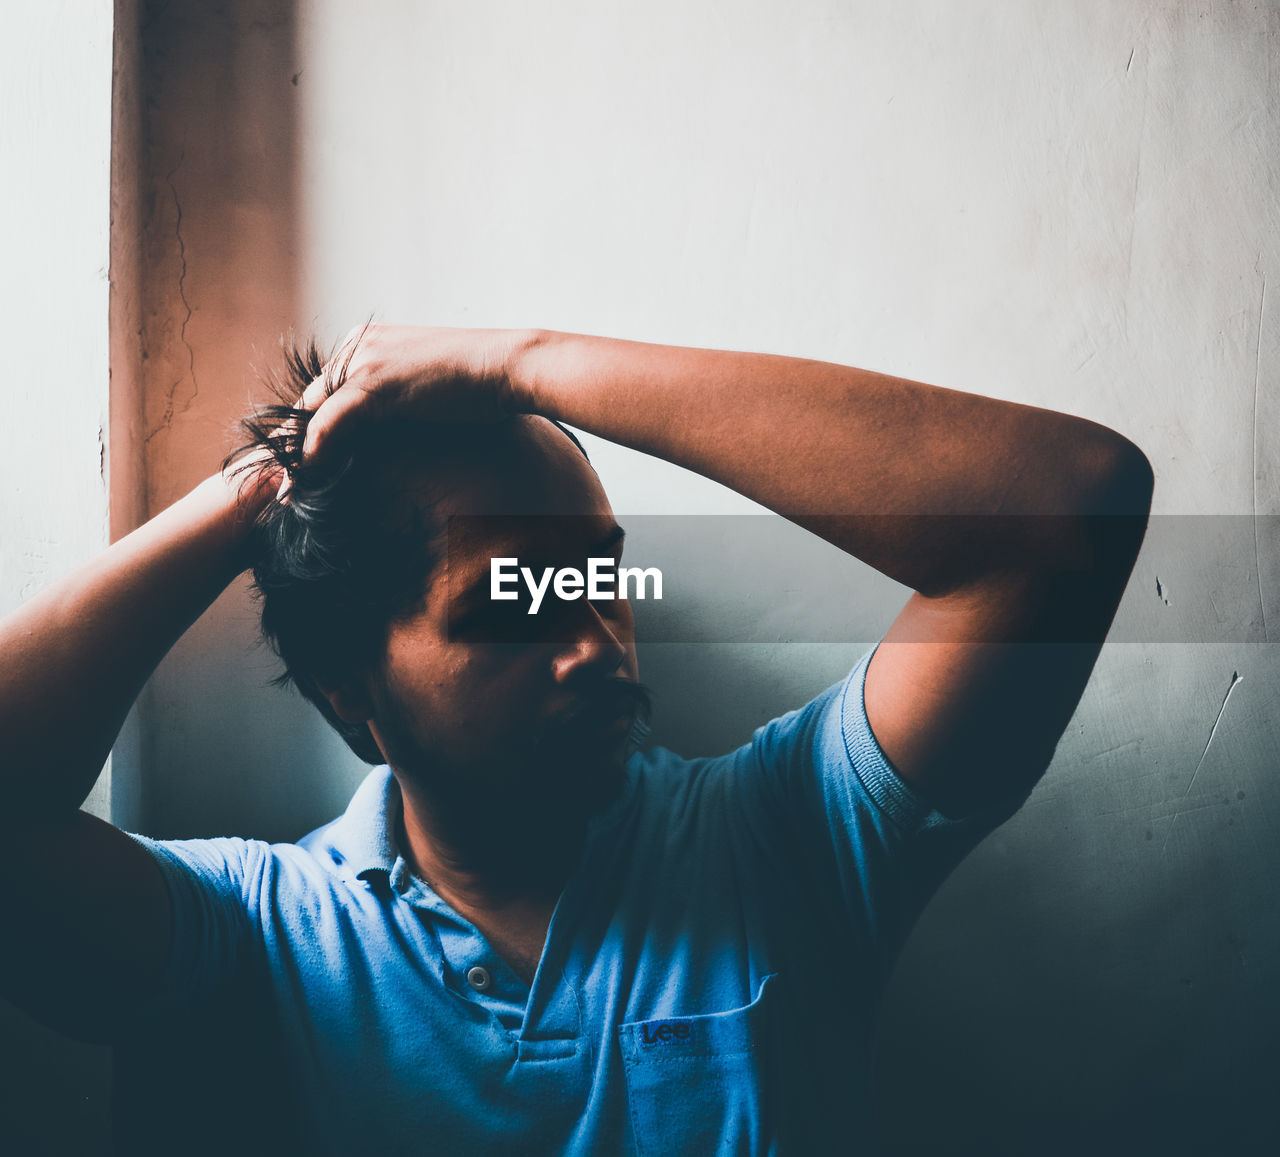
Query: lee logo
(665, 1032)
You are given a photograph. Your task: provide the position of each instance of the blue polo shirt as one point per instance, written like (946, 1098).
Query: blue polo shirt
(708, 983)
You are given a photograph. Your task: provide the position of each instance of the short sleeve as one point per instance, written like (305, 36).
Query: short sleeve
(821, 795)
(211, 884)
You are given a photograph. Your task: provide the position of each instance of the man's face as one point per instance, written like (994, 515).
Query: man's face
(478, 696)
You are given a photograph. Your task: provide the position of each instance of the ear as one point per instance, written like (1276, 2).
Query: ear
(348, 698)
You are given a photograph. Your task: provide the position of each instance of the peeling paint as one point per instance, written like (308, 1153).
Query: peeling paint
(1162, 592)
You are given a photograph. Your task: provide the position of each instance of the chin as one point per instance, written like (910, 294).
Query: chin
(584, 775)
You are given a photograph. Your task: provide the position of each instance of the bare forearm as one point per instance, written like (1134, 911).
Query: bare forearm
(891, 470)
(76, 656)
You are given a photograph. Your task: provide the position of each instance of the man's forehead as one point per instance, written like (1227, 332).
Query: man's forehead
(537, 541)
(525, 466)
(527, 492)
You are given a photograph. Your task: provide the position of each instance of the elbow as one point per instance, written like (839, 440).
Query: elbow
(1118, 478)
(1111, 488)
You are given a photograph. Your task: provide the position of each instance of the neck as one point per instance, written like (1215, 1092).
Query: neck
(484, 857)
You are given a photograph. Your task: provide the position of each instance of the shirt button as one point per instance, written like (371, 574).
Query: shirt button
(479, 978)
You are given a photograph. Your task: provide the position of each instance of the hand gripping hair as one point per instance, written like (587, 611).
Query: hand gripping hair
(354, 544)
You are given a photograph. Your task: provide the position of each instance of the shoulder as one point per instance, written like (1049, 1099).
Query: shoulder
(819, 720)
(239, 872)
(332, 858)
(801, 744)
(821, 756)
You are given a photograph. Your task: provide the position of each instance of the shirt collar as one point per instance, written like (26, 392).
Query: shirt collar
(363, 837)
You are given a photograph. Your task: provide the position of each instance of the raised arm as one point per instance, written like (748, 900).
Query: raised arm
(88, 913)
(1016, 526)
(1007, 520)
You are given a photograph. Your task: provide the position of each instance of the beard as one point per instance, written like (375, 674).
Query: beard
(562, 770)
(589, 744)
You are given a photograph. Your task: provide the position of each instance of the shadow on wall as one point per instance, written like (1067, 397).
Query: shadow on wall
(1103, 966)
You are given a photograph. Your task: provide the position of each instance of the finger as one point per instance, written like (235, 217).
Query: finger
(314, 394)
(330, 420)
(254, 479)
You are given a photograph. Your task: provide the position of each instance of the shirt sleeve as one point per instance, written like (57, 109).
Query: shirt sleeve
(211, 886)
(816, 790)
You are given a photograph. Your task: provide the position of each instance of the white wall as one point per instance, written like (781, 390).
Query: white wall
(55, 90)
(55, 138)
(1071, 205)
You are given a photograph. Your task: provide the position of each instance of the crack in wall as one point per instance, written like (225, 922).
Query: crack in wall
(1257, 373)
(1236, 680)
(171, 409)
(1133, 211)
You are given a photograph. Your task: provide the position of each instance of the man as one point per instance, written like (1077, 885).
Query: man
(513, 941)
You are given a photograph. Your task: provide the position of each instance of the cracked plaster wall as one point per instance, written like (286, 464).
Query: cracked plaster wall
(1070, 205)
(218, 229)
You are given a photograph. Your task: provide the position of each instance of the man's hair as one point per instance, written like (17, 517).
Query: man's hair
(353, 547)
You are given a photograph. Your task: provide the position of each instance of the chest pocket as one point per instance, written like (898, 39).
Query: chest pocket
(699, 1084)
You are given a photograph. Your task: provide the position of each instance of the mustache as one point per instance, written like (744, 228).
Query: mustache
(604, 699)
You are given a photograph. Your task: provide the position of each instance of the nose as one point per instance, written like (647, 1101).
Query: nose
(591, 644)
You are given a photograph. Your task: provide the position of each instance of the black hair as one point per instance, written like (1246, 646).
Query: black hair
(353, 546)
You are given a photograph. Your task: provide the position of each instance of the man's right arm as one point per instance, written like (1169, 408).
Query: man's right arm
(87, 917)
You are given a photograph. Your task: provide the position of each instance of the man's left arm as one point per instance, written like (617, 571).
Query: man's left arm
(1003, 519)
(1015, 526)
